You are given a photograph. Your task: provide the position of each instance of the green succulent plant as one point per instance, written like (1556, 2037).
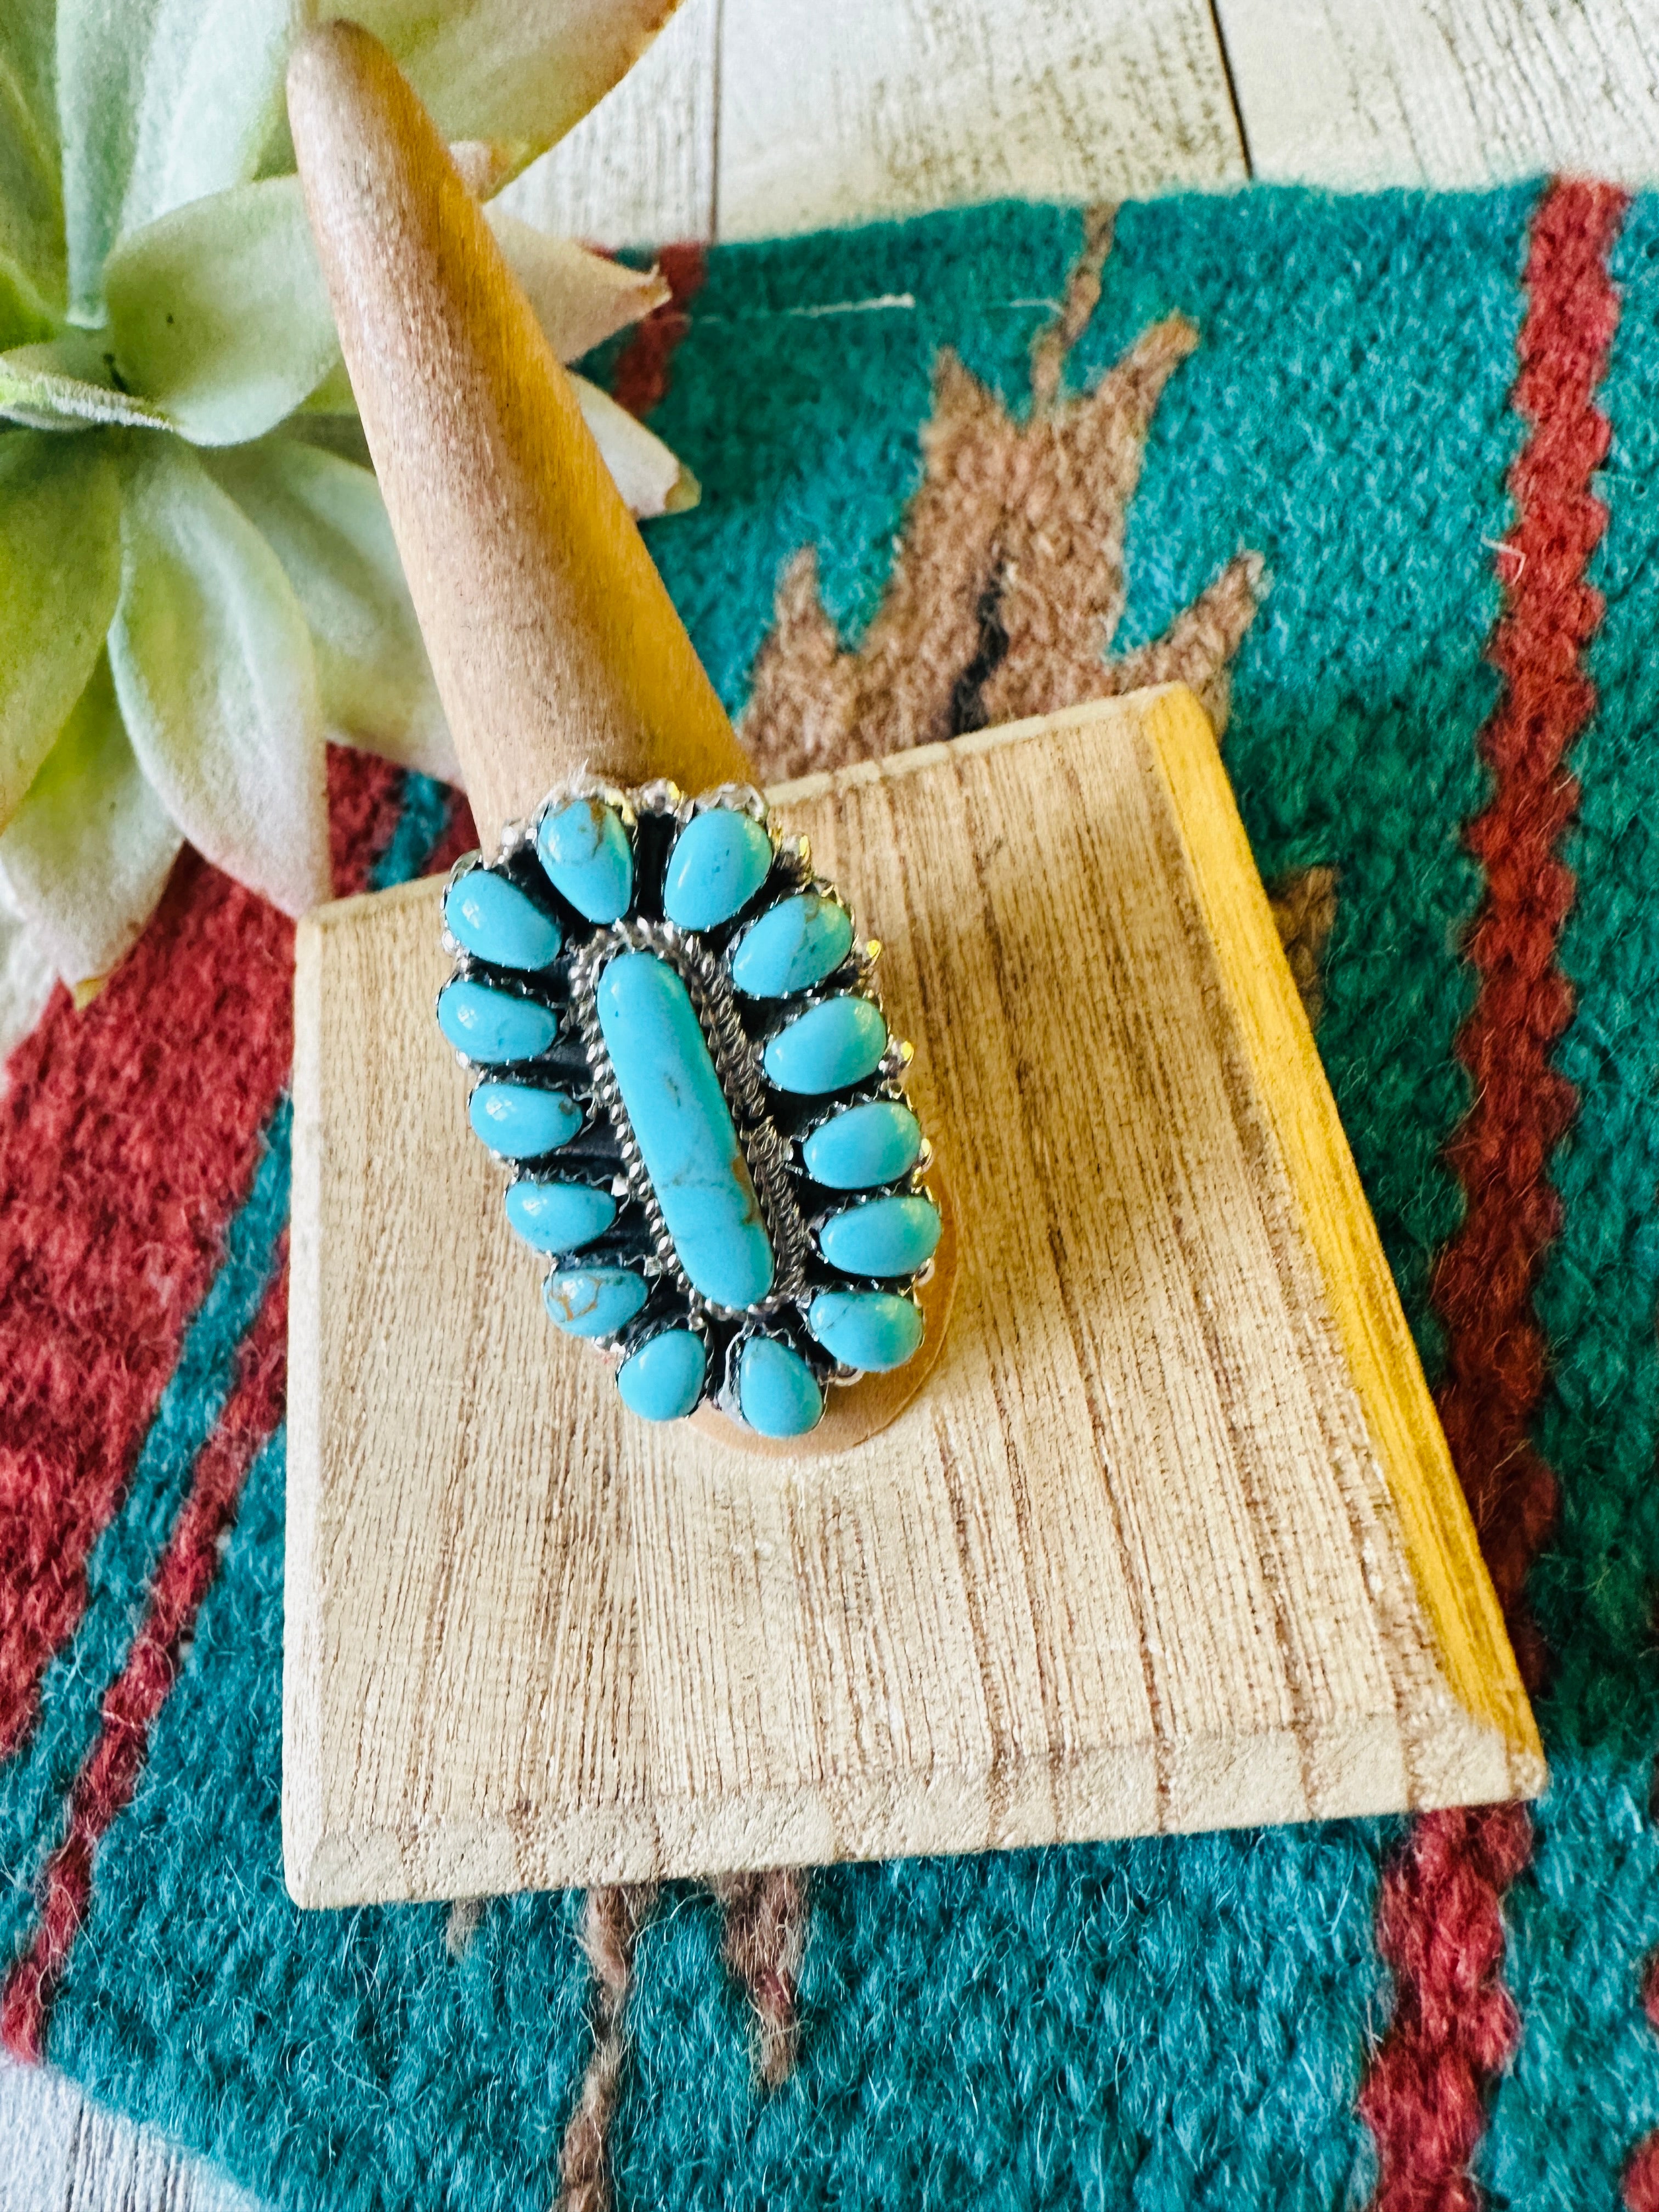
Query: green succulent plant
(199, 585)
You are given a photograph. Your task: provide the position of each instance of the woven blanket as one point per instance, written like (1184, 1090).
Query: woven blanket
(1380, 478)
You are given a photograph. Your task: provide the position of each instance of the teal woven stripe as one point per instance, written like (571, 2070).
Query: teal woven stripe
(1586, 2083)
(1346, 415)
(326, 2058)
(34, 1784)
(426, 804)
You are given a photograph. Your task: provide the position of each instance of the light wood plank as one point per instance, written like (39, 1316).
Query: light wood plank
(1347, 93)
(639, 170)
(885, 107)
(1169, 1540)
(61, 2153)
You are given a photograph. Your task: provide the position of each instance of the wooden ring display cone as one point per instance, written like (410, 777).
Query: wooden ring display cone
(557, 653)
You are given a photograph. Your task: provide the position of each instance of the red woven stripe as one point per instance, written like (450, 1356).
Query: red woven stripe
(128, 1136)
(641, 381)
(1439, 1915)
(1483, 1283)
(105, 1786)
(1641, 2182)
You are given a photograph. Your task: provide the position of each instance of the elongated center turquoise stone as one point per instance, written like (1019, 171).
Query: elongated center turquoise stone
(685, 1130)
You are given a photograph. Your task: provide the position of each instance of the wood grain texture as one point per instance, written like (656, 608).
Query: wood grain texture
(553, 640)
(640, 168)
(61, 2153)
(1171, 1540)
(879, 109)
(1444, 92)
(882, 107)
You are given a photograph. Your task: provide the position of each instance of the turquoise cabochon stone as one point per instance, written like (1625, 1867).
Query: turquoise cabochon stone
(683, 1128)
(492, 1026)
(663, 1380)
(559, 1217)
(593, 1301)
(876, 1141)
(799, 942)
(870, 1329)
(521, 1122)
(778, 1394)
(586, 852)
(719, 861)
(882, 1236)
(827, 1048)
(498, 922)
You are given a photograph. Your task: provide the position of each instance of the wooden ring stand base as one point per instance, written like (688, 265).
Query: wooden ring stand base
(1168, 1537)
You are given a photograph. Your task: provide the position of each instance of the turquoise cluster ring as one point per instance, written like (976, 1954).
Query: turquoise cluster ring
(680, 1054)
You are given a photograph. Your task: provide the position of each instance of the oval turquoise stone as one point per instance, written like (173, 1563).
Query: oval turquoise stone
(499, 923)
(587, 854)
(876, 1141)
(827, 1048)
(683, 1128)
(520, 1121)
(778, 1394)
(719, 861)
(871, 1329)
(663, 1380)
(882, 1237)
(492, 1025)
(558, 1216)
(593, 1301)
(798, 944)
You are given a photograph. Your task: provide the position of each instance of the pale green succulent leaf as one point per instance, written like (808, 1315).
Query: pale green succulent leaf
(27, 979)
(333, 396)
(523, 69)
(341, 434)
(160, 102)
(64, 384)
(87, 856)
(213, 671)
(31, 199)
(28, 37)
(219, 315)
(646, 474)
(326, 521)
(579, 299)
(22, 321)
(60, 573)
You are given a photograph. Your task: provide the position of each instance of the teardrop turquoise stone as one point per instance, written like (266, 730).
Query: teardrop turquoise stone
(492, 1026)
(593, 1301)
(683, 1128)
(876, 1141)
(663, 1380)
(798, 944)
(587, 854)
(870, 1329)
(882, 1237)
(494, 919)
(827, 1048)
(521, 1122)
(558, 1216)
(778, 1394)
(719, 861)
